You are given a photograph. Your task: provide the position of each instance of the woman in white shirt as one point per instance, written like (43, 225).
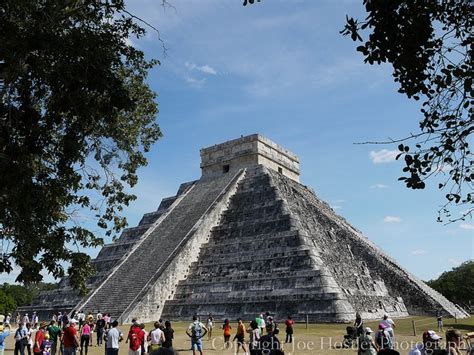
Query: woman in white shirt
(156, 338)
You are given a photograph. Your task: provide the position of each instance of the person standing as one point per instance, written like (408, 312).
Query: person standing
(439, 320)
(34, 320)
(453, 342)
(65, 319)
(227, 331)
(85, 335)
(196, 331)
(383, 338)
(54, 333)
(359, 324)
(261, 323)
(114, 337)
(3, 334)
(366, 343)
(169, 335)
(269, 343)
(30, 332)
(145, 337)
(8, 319)
(21, 339)
(156, 337)
(99, 328)
(429, 344)
(39, 338)
(289, 329)
(135, 338)
(107, 320)
(240, 336)
(389, 326)
(71, 341)
(254, 338)
(210, 325)
(81, 317)
(90, 322)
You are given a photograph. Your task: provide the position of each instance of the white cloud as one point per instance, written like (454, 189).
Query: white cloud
(195, 83)
(467, 226)
(418, 252)
(379, 186)
(206, 69)
(392, 219)
(454, 262)
(383, 156)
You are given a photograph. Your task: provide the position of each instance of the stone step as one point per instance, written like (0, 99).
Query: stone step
(121, 288)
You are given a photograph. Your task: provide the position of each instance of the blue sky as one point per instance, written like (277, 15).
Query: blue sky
(281, 68)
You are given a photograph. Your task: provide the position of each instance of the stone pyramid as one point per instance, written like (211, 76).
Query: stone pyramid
(246, 238)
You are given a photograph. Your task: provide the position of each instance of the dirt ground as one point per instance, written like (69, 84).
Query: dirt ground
(317, 339)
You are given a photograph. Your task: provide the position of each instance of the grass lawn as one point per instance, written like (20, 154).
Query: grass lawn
(318, 339)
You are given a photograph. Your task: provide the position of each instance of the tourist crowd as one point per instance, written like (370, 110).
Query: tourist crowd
(72, 334)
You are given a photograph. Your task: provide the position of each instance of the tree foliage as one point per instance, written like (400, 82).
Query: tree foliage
(14, 296)
(430, 46)
(76, 118)
(458, 284)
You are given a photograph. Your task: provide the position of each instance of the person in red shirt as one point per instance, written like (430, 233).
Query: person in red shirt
(39, 338)
(289, 329)
(70, 339)
(135, 338)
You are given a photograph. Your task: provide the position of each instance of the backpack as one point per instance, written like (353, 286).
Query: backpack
(196, 330)
(135, 340)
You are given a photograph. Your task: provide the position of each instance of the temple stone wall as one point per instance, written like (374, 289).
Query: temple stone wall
(361, 268)
(249, 151)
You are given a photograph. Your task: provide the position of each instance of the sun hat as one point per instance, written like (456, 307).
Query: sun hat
(431, 334)
(368, 330)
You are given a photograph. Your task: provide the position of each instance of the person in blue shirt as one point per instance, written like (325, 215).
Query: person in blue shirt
(3, 335)
(21, 339)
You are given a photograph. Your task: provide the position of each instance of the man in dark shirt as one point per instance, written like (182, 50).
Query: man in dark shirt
(100, 326)
(269, 343)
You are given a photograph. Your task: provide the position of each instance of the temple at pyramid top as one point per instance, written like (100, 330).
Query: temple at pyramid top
(249, 151)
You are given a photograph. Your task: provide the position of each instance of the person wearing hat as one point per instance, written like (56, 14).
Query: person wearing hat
(430, 343)
(3, 334)
(367, 345)
(39, 338)
(389, 326)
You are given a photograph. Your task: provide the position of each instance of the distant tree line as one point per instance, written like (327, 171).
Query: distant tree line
(14, 296)
(457, 285)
